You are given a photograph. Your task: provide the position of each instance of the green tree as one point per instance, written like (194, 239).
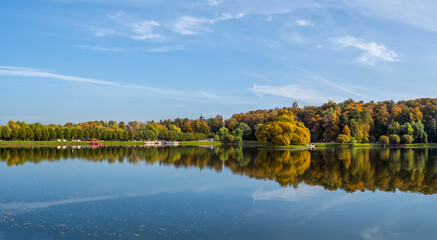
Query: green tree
(431, 130)
(356, 132)
(38, 133)
(44, 134)
(6, 132)
(223, 134)
(29, 133)
(247, 132)
(394, 139)
(419, 134)
(52, 133)
(66, 133)
(406, 128)
(22, 134)
(59, 133)
(342, 139)
(238, 135)
(15, 133)
(394, 128)
(407, 139)
(383, 140)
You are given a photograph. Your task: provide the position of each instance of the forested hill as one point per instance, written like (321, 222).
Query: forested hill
(364, 122)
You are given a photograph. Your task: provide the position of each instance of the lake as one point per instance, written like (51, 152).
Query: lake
(217, 193)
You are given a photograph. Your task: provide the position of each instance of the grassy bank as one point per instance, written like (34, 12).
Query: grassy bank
(258, 145)
(200, 143)
(348, 145)
(375, 145)
(68, 143)
(215, 143)
(106, 143)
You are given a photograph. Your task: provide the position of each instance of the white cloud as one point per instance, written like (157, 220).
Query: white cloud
(102, 32)
(136, 29)
(304, 23)
(125, 25)
(188, 25)
(288, 91)
(214, 2)
(373, 52)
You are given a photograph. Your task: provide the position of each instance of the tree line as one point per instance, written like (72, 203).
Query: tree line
(110, 131)
(412, 121)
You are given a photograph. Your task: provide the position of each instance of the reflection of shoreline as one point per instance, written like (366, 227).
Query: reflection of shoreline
(348, 169)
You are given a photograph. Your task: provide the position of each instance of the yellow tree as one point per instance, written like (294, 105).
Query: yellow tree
(283, 131)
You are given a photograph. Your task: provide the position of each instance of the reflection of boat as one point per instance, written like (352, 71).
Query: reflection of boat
(96, 144)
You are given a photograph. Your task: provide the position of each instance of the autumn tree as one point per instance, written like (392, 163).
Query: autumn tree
(283, 131)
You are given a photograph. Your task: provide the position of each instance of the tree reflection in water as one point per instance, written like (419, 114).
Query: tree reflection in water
(352, 170)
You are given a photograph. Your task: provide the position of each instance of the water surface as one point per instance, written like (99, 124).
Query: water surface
(217, 193)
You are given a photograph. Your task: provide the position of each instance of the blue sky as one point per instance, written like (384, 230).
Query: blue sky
(81, 60)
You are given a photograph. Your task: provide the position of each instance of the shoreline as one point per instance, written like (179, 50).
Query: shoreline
(106, 143)
(253, 144)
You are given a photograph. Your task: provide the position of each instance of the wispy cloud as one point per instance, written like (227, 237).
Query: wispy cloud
(419, 14)
(323, 80)
(214, 2)
(373, 52)
(140, 29)
(287, 194)
(159, 49)
(29, 72)
(100, 48)
(304, 23)
(162, 49)
(46, 204)
(37, 205)
(188, 25)
(188, 95)
(295, 91)
(128, 26)
(251, 7)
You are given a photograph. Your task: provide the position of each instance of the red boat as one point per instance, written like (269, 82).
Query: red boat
(96, 144)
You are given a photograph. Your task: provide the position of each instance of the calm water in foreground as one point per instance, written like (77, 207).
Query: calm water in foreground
(217, 193)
